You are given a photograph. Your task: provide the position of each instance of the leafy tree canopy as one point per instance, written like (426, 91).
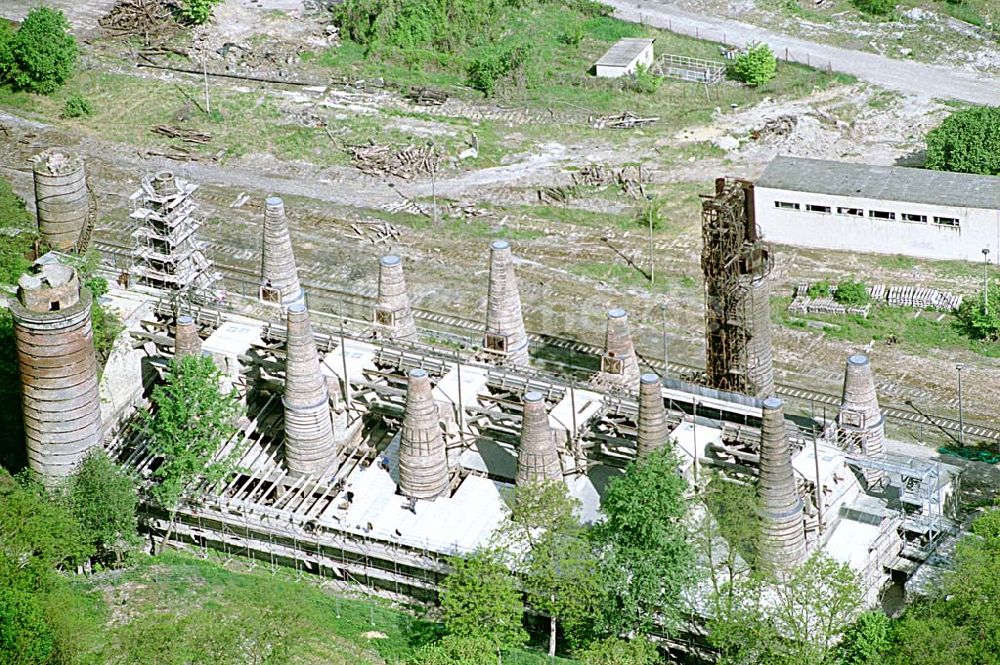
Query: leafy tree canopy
(646, 550)
(755, 66)
(978, 321)
(480, 600)
(189, 422)
(103, 498)
(968, 141)
(550, 552)
(40, 56)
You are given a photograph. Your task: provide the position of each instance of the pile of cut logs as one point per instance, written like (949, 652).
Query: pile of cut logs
(423, 96)
(185, 135)
(405, 162)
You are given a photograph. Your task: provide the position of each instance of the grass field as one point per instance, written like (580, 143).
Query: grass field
(175, 606)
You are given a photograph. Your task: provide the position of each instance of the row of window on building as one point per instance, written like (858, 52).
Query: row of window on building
(873, 214)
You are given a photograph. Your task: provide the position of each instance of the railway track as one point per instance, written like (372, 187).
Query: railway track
(471, 329)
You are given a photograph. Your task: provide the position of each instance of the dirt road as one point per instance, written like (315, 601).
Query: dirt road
(910, 77)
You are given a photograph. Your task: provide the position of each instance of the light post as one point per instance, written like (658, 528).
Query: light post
(986, 280)
(961, 418)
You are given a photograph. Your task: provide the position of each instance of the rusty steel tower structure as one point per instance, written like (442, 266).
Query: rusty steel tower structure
(736, 264)
(58, 369)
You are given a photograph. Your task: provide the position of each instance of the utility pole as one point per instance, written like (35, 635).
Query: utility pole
(986, 280)
(208, 103)
(666, 358)
(434, 198)
(649, 214)
(961, 418)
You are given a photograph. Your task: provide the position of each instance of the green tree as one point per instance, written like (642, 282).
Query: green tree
(17, 233)
(41, 54)
(867, 640)
(796, 621)
(493, 63)
(190, 420)
(968, 141)
(547, 544)
(755, 66)
(977, 321)
(37, 530)
(480, 600)
(616, 651)
(646, 554)
(815, 606)
(103, 498)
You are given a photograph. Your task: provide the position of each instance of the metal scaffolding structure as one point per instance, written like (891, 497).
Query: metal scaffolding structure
(167, 253)
(736, 264)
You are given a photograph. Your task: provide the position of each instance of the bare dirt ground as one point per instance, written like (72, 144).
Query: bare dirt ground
(570, 266)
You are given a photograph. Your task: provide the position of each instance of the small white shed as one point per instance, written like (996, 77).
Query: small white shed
(624, 57)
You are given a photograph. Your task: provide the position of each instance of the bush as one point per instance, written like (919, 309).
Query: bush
(756, 66)
(967, 141)
(819, 290)
(874, 7)
(978, 323)
(197, 11)
(103, 498)
(852, 293)
(643, 81)
(493, 64)
(40, 56)
(77, 106)
(616, 651)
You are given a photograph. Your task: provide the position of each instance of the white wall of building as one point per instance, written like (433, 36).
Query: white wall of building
(644, 58)
(977, 228)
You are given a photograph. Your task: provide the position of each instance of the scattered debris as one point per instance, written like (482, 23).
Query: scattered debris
(382, 160)
(240, 200)
(179, 154)
(186, 135)
(626, 120)
(138, 18)
(424, 96)
(783, 125)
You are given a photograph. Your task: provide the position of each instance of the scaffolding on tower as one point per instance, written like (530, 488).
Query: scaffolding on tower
(167, 254)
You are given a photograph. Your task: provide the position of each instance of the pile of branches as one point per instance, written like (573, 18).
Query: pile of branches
(185, 135)
(138, 17)
(783, 125)
(405, 162)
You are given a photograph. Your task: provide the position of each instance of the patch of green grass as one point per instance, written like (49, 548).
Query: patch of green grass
(916, 329)
(335, 626)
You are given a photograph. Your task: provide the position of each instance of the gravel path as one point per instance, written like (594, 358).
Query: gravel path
(910, 77)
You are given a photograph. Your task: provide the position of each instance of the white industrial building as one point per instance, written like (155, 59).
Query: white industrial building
(878, 209)
(623, 58)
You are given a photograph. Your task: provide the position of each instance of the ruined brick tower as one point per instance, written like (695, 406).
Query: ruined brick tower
(58, 368)
(619, 365)
(62, 201)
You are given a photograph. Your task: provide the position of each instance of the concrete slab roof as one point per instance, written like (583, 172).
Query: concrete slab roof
(884, 183)
(624, 52)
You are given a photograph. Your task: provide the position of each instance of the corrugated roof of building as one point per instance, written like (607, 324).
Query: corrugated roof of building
(624, 52)
(884, 183)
